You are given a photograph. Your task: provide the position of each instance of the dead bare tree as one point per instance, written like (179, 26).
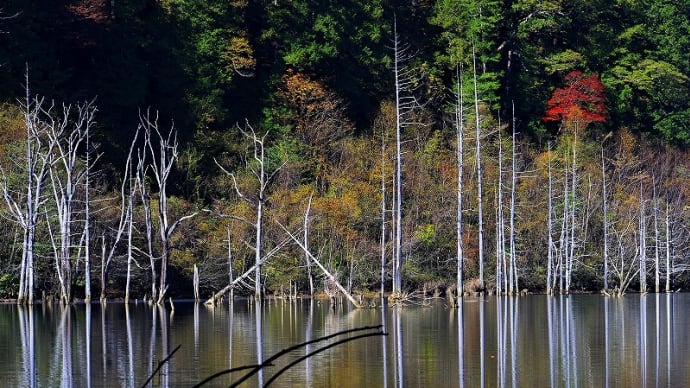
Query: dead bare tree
(405, 104)
(383, 214)
(127, 192)
(68, 131)
(162, 161)
(478, 154)
(501, 267)
(143, 189)
(310, 276)
(460, 138)
(258, 167)
(24, 204)
(513, 189)
(550, 275)
(642, 247)
(606, 222)
(87, 222)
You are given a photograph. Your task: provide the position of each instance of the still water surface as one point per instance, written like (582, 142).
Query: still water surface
(532, 341)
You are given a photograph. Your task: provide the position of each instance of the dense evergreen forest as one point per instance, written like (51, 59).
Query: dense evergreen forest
(147, 146)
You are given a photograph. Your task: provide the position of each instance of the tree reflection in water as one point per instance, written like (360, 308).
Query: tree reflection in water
(561, 341)
(26, 333)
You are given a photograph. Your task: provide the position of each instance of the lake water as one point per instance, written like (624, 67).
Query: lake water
(530, 341)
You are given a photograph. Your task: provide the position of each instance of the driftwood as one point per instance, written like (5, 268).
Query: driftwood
(325, 271)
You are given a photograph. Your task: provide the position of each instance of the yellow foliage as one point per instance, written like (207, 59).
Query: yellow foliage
(240, 55)
(319, 113)
(627, 142)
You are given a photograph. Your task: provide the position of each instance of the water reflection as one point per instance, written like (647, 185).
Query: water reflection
(28, 347)
(87, 334)
(482, 342)
(559, 341)
(231, 310)
(384, 343)
(398, 376)
(643, 339)
(607, 342)
(461, 345)
(130, 347)
(259, 340)
(64, 347)
(668, 335)
(506, 339)
(308, 337)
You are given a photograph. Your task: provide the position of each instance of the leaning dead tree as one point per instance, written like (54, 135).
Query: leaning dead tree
(24, 204)
(239, 280)
(164, 153)
(323, 269)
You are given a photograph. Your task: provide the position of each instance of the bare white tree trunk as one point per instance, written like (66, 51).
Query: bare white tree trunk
(129, 217)
(87, 217)
(460, 129)
(310, 276)
(501, 273)
(103, 268)
(195, 282)
(161, 168)
(668, 248)
(480, 206)
(230, 274)
(563, 238)
(259, 244)
(549, 265)
(573, 209)
(643, 245)
(657, 241)
(87, 226)
(397, 260)
(405, 104)
(145, 195)
(513, 189)
(383, 213)
(606, 223)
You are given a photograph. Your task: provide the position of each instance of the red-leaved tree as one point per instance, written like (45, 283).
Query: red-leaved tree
(576, 105)
(580, 101)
